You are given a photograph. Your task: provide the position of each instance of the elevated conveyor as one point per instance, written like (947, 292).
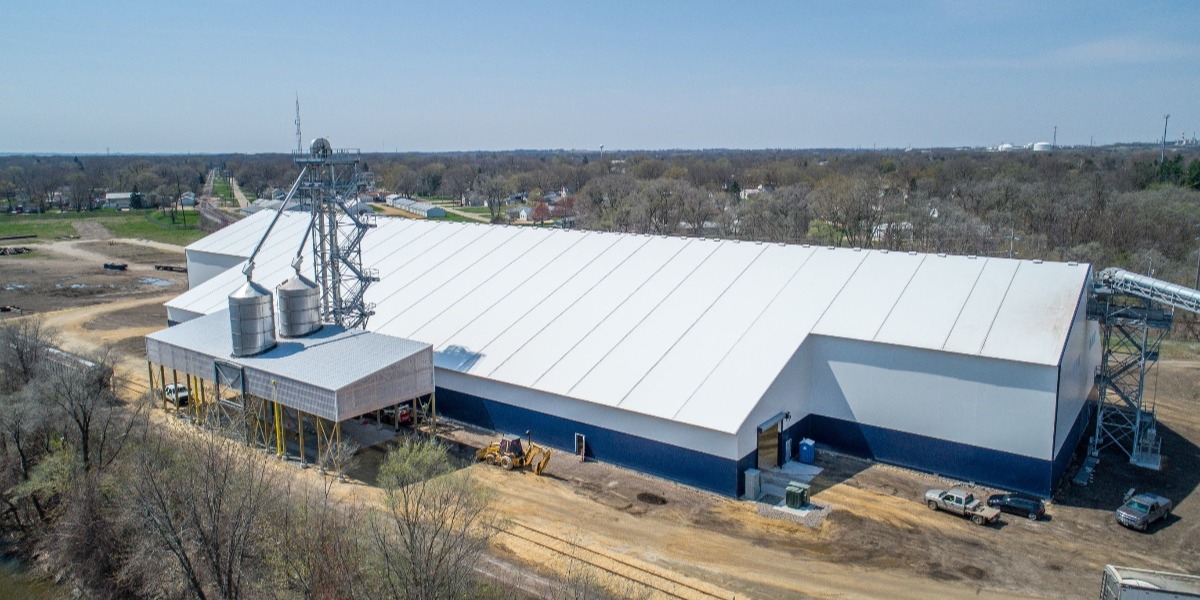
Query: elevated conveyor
(1135, 313)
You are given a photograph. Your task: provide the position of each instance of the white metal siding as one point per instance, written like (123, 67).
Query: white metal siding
(993, 404)
(1077, 372)
(202, 266)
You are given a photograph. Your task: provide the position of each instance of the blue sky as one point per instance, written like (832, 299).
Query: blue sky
(222, 76)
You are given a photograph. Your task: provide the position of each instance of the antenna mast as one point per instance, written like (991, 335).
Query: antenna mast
(299, 138)
(1162, 157)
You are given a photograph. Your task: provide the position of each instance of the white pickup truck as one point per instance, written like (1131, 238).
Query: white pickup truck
(962, 502)
(177, 393)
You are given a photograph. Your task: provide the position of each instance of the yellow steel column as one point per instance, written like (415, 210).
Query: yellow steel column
(320, 434)
(191, 389)
(279, 447)
(300, 432)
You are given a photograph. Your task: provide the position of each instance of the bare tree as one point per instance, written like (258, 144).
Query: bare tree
(852, 205)
(337, 458)
(82, 392)
(204, 504)
(25, 345)
(659, 206)
(321, 549)
(493, 190)
(436, 526)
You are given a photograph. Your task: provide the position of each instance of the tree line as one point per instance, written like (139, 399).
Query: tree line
(116, 500)
(1111, 206)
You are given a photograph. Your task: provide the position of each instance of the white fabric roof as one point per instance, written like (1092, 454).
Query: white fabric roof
(687, 329)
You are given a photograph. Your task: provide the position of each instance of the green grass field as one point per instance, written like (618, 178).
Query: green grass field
(221, 189)
(46, 227)
(455, 218)
(475, 210)
(142, 224)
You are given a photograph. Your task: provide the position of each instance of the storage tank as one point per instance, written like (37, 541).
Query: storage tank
(299, 306)
(251, 320)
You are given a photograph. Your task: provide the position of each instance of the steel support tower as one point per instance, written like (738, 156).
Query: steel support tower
(329, 181)
(1132, 331)
(1135, 313)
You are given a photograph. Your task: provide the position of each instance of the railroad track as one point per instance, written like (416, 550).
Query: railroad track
(655, 581)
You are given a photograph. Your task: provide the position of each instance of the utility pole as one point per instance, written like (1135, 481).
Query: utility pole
(1197, 265)
(1162, 157)
(1054, 144)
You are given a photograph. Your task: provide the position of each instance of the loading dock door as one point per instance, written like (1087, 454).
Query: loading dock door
(768, 447)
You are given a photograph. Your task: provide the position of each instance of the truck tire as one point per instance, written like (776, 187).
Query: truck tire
(506, 462)
(1032, 516)
(932, 505)
(977, 519)
(490, 458)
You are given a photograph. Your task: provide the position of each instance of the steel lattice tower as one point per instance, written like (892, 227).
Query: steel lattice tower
(330, 179)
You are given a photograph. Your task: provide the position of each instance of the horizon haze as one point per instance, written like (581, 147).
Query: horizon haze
(160, 78)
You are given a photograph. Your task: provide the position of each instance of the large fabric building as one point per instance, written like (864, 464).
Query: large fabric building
(696, 359)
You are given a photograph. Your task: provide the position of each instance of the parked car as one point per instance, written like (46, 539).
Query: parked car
(389, 415)
(1027, 506)
(177, 393)
(1143, 509)
(962, 502)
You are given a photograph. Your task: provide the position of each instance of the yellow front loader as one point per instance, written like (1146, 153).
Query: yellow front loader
(510, 454)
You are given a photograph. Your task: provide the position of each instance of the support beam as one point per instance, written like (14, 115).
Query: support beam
(300, 430)
(149, 376)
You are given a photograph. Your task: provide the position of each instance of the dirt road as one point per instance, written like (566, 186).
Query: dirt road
(237, 193)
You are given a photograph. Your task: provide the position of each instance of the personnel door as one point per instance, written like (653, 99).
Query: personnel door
(768, 447)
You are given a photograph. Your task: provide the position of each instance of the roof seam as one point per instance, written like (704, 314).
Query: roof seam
(602, 319)
(999, 307)
(962, 307)
(562, 312)
(644, 317)
(741, 337)
(692, 326)
(817, 324)
(480, 283)
(510, 292)
(461, 273)
(882, 323)
(433, 265)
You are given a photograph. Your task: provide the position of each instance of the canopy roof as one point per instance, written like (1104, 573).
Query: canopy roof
(333, 373)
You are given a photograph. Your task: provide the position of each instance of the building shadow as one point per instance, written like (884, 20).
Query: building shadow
(456, 358)
(1115, 476)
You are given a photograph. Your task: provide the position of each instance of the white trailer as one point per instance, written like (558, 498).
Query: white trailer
(1124, 583)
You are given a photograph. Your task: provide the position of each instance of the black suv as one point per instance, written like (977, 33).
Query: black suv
(1026, 506)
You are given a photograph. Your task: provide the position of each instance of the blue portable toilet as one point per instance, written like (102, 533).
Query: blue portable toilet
(808, 451)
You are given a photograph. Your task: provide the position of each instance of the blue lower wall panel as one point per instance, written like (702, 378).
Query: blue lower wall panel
(1063, 460)
(690, 467)
(951, 459)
